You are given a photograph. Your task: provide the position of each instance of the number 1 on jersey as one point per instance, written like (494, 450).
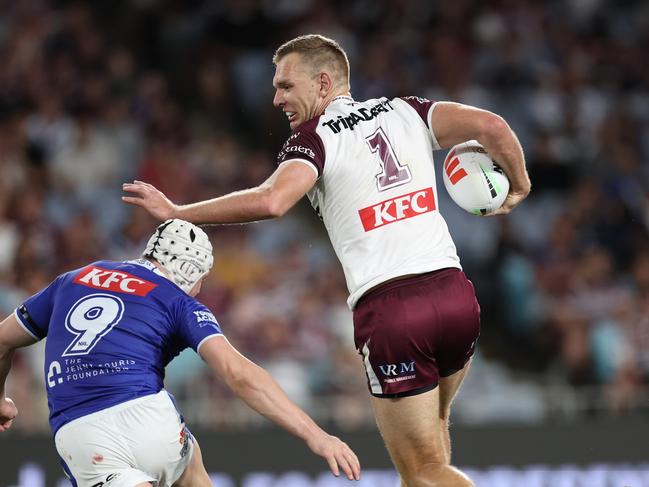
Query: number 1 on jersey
(392, 172)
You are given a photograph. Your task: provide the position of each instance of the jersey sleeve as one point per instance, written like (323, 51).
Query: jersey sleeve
(304, 145)
(195, 323)
(424, 108)
(34, 314)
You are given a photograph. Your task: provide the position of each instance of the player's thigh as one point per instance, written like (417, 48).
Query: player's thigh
(410, 428)
(458, 307)
(195, 474)
(448, 387)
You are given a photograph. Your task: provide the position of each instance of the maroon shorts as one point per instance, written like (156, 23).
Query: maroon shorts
(413, 331)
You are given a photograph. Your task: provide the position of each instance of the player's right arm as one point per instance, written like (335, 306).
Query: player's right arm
(262, 393)
(453, 123)
(12, 336)
(271, 199)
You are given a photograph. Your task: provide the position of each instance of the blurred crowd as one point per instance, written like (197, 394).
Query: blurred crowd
(179, 94)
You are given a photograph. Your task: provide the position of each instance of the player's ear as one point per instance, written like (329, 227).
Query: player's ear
(326, 83)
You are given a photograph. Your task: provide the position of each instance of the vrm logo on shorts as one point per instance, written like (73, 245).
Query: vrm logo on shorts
(398, 369)
(397, 209)
(398, 372)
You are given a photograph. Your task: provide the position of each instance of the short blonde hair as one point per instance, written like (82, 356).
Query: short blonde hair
(318, 52)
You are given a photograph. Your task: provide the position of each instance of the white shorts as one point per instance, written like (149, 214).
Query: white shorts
(143, 440)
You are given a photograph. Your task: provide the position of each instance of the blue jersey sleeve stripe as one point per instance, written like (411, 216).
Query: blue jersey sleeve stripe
(207, 338)
(24, 320)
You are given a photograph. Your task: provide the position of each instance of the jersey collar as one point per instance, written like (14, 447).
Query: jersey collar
(345, 98)
(149, 265)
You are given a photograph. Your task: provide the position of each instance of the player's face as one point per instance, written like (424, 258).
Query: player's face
(297, 93)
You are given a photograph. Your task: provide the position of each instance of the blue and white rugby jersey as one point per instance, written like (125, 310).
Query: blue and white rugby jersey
(111, 329)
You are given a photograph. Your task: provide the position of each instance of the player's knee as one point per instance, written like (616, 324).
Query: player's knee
(423, 457)
(436, 475)
(415, 469)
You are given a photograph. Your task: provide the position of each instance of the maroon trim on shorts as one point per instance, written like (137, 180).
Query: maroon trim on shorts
(450, 372)
(413, 392)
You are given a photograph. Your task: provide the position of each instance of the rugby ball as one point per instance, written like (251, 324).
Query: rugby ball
(473, 180)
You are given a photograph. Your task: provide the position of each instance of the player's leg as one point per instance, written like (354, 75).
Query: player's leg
(411, 334)
(195, 474)
(145, 484)
(448, 387)
(411, 429)
(462, 320)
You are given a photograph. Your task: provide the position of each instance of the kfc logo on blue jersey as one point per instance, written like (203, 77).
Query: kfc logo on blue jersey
(112, 280)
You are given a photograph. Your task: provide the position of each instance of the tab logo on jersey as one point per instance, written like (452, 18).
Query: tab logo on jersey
(120, 282)
(397, 209)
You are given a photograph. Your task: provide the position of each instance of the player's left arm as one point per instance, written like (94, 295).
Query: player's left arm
(261, 392)
(12, 336)
(453, 123)
(274, 197)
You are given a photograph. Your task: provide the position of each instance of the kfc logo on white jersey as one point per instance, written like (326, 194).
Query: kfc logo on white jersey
(120, 282)
(397, 209)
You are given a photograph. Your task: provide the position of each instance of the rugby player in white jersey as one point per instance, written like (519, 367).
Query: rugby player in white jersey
(367, 168)
(111, 329)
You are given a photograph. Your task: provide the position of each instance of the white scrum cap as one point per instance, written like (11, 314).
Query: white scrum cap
(183, 249)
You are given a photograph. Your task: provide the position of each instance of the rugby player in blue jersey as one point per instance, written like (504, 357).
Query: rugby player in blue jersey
(111, 329)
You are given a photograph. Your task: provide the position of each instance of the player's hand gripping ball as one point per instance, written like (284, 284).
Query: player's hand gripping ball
(473, 180)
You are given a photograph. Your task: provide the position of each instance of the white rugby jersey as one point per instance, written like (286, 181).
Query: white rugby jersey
(376, 190)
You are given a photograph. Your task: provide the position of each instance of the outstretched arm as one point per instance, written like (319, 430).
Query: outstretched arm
(260, 391)
(12, 336)
(274, 197)
(453, 123)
